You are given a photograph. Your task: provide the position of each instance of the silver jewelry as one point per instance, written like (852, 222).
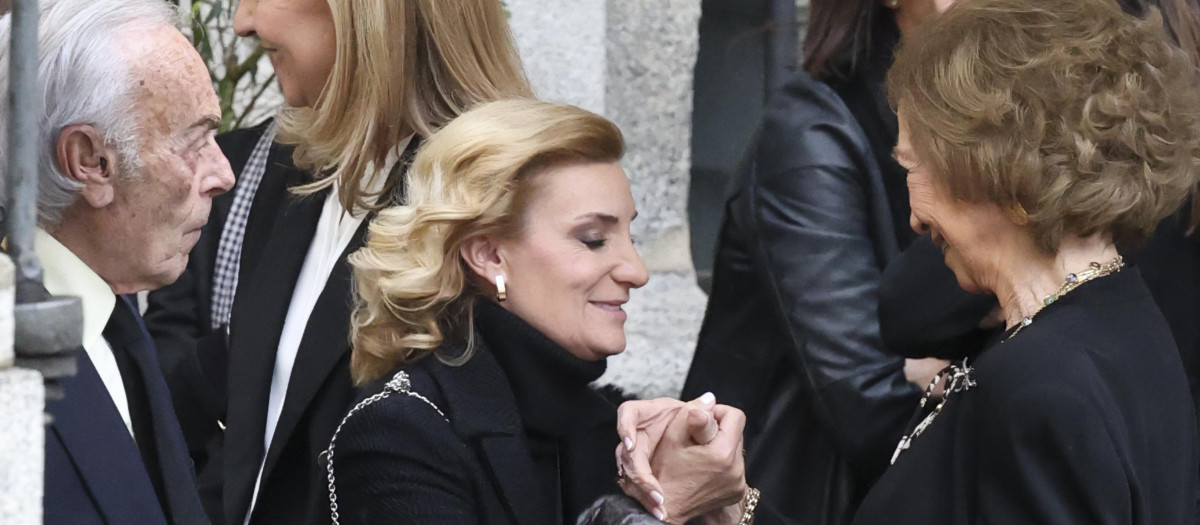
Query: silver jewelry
(399, 384)
(958, 379)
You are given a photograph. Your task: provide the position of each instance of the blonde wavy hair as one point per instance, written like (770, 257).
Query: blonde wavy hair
(401, 66)
(473, 178)
(1075, 117)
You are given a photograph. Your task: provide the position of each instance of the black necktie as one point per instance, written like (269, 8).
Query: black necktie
(125, 338)
(155, 427)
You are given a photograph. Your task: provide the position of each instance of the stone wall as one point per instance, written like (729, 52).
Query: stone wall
(632, 62)
(22, 434)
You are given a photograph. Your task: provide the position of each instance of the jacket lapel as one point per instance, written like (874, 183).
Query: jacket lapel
(481, 407)
(324, 344)
(261, 308)
(256, 325)
(326, 341)
(101, 449)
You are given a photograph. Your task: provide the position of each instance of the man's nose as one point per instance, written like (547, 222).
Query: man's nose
(221, 180)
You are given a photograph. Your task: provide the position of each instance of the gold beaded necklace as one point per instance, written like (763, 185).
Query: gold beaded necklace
(958, 376)
(1073, 281)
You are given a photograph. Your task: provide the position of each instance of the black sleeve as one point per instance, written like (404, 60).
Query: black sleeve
(922, 310)
(811, 208)
(399, 461)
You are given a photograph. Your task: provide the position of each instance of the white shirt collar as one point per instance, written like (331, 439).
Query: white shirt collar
(67, 274)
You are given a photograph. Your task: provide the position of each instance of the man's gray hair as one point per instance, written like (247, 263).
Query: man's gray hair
(83, 78)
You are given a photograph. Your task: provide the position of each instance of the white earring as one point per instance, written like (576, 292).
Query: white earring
(501, 293)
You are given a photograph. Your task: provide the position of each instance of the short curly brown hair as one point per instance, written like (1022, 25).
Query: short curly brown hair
(1072, 113)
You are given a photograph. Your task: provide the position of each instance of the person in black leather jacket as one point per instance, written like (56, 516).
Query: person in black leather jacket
(791, 335)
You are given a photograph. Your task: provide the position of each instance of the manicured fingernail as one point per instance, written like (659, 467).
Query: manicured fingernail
(707, 399)
(658, 498)
(629, 444)
(658, 514)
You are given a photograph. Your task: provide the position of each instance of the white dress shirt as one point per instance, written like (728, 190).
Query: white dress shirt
(335, 230)
(65, 274)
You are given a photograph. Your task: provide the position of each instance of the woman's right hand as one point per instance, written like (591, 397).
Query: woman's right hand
(697, 464)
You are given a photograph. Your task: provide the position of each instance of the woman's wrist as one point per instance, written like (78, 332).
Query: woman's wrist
(740, 513)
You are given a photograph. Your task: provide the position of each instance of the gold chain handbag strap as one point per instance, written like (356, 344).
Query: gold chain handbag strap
(398, 384)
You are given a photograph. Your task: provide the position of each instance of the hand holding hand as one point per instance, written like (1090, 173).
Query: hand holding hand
(641, 425)
(697, 468)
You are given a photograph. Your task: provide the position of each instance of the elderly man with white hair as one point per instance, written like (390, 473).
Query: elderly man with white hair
(128, 167)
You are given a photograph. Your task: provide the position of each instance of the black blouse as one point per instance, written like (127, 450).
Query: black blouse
(1084, 416)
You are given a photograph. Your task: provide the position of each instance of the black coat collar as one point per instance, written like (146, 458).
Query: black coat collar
(519, 381)
(551, 385)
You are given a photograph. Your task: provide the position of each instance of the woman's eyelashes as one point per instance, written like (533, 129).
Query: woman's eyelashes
(594, 243)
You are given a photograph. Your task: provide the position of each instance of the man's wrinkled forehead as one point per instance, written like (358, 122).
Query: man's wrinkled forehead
(171, 84)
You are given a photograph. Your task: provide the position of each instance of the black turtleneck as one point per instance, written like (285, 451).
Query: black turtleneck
(571, 429)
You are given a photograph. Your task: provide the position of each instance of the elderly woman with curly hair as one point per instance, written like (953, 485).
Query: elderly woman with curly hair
(1040, 138)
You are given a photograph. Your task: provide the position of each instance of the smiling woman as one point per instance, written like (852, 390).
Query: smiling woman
(491, 299)
(544, 205)
(1041, 138)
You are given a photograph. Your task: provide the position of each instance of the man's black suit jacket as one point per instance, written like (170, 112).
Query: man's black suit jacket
(94, 471)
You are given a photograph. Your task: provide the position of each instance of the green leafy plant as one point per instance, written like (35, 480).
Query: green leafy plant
(233, 63)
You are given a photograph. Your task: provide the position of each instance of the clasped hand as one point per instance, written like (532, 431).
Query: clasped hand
(683, 460)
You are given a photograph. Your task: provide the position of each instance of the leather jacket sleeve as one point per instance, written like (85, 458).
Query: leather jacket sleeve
(818, 210)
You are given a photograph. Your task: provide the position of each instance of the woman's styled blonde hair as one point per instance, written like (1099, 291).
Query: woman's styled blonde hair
(471, 179)
(401, 66)
(1073, 115)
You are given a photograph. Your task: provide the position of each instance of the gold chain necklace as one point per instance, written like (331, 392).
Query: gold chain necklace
(958, 376)
(1073, 281)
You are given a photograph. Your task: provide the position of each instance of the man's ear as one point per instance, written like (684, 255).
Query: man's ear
(84, 158)
(483, 256)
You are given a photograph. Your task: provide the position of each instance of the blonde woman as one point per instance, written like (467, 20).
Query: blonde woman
(364, 81)
(488, 304)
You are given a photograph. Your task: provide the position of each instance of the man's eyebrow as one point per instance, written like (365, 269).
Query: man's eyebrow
(207, 122)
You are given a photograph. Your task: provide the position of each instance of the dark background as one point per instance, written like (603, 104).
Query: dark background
(746, 48)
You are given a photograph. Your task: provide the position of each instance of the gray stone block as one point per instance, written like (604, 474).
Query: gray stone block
(562, 46)
(22, 438)
(7, 296)
(641, 56)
